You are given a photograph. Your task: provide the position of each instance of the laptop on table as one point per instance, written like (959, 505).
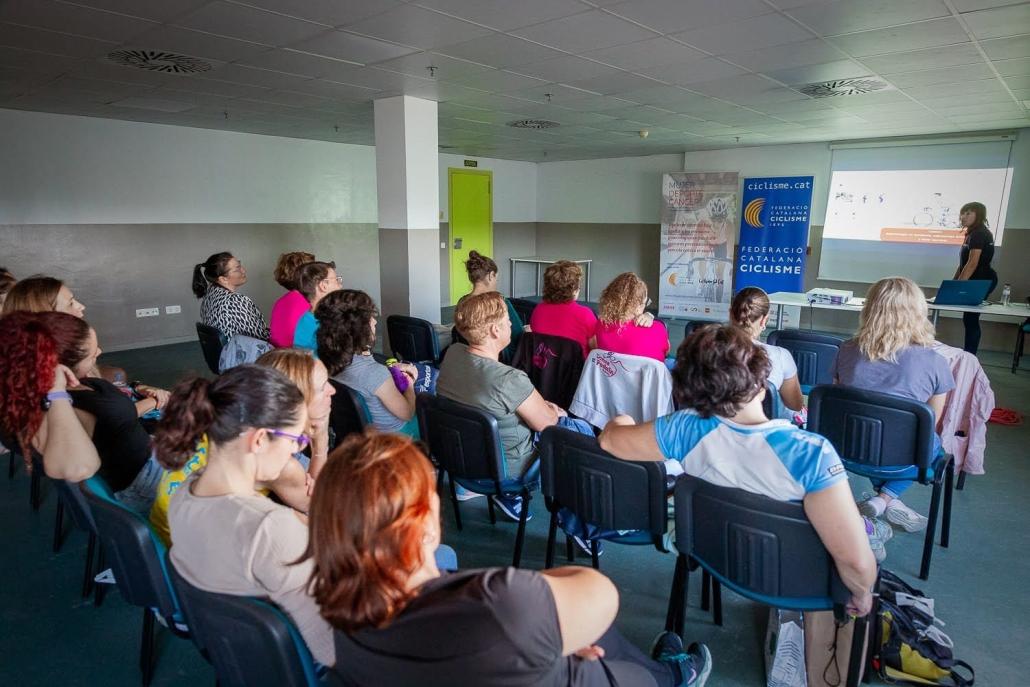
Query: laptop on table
(970, 292)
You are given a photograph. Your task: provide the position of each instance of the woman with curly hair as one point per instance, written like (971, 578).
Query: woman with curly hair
(292, 305)
(217, 281)
(891, 354)
(374, 529)
(482, 272)
(622, 305)
(346, 332)
(559, 314)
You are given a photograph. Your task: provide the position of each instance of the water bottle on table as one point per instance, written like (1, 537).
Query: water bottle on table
(1006, 294)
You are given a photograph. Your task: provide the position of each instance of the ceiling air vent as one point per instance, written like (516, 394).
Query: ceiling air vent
(159, 61)
(843, 87)
(532, 124)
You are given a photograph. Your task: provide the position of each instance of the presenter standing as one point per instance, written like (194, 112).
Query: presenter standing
(975, 263)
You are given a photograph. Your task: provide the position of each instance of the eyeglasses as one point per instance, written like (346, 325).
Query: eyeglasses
(647, 303)
(238, 268)
(302, 439)
(338, 279)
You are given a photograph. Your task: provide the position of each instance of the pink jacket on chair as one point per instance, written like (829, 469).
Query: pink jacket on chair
(967, 409)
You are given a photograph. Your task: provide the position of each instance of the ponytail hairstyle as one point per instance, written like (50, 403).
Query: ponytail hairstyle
(343, 327)
(37, 293)
(206, 274)
(309, 275)
(479, 267)
(749, 306)
(35, 344)
(979, 210)
(243, 397)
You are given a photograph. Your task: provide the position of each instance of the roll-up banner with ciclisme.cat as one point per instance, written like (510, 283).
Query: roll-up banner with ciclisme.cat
(774, 220)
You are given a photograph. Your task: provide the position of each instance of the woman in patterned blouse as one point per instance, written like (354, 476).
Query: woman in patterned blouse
(215, 282)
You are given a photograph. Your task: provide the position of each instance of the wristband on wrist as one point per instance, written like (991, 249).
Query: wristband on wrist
(52, 396)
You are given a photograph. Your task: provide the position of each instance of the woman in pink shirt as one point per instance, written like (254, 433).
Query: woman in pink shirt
(624, 327)
(292, 305)
(559, 314)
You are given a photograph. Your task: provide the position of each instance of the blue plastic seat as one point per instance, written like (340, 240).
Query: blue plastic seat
(813, 352)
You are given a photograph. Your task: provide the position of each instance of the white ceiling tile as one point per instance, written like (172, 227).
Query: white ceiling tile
(215, 87)
(697, 71)
(336, 91)
(252, 76)
(661, 96)
(930, 58)
(1017, 82)
(925, 34)
(586, 31)
(1016, 67)
(82, 21)
(839, 69)
(348, 46)
(848, 16)
(445, 68)
(197, 44)
(772, 95)
(670, 16)
(756, 33)
(329, 12)
(999, 22)
(300, 63)
(932, 77)
(500, 50)
(249, 24)
(861, 100)
(735, 85)
(973, 5)
(613, 84)
(498, 81)
(294, 99)
(978, 109)
(505, 15)
(411, 25)
(815, 51)
(788, 110)
(102, 69)
(653, 52)
(40, 40)
(960, 101)
(1007, 48)
(959, 90)
(565, 69)
(157, 10)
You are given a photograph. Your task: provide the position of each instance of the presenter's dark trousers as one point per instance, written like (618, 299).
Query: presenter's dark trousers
(972, 322)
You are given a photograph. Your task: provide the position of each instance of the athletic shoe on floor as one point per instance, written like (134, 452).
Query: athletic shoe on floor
(899, 514)
(879, 532)
(690, 668)
(584, 545)
(464, 494)
(872, 507)
(511, 506)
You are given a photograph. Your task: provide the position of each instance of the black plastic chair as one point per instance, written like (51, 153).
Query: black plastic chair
(250, 642)
(694, 325)
(413, 340)
(814, 353)
(553, 363)
(212, 342)
(884, 437)
(524, 307)
(772, 404)
(465, 443)
(348, 413)
(1021, 332)
(137, 559)
(602, 490)
(71, 499)
(765, 550)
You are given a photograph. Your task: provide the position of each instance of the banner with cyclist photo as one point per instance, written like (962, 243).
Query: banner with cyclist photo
(697, 237)
(773, 233)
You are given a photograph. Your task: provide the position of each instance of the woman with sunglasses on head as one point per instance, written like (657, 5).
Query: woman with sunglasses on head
(216, 281)
(228, 538)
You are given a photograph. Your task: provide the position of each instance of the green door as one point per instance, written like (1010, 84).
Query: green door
(471, 223)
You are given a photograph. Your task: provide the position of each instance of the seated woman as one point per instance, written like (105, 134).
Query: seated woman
(107, 416)
(620, 328)
(376, 582)
(293, 485)
(559, 314)
(216, 282)
(47, 294)
(289, 308)
(750, 312)
(315, 281)
(228, 538)
(482, 273)
(473, 375)
(891, 354)
(722, 436)
(346, 332)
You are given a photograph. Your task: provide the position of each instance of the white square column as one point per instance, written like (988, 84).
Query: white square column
(407, 185)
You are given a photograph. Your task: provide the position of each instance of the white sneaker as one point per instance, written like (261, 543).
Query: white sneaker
(897, 513)
(872, 507)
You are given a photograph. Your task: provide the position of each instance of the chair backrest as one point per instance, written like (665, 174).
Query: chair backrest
(553, 364)
(211, 343)
(524, 307)
(413, 339)
(772, 404)
(617, 384)
(599, 488)
(75, 503)
(873, 430)
(763, 549)
(248, 640)
(463, 440)
(134, 552)
(348, 413)
(693, 325)
(814, 353)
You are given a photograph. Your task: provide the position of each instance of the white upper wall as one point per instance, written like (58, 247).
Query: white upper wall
(60, 169)
(514, 187)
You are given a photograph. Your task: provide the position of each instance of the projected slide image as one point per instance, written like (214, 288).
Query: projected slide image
(911, 206)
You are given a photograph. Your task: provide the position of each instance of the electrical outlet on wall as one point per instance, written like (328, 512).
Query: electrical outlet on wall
(148, 312)
(173, 309)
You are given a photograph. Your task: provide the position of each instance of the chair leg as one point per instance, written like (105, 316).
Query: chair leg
(931, 531)
(34, 488)
(87, 576)
(706, 588)
(961, 481)
(595, 547)
(99, 590)
(146, 651)
(674, 616)
(1018, 352)
(552, 533)
(10, 465)
(520, 537)
(949, 489)
(455, 502)
(856, 659)
(490, 508)
(570, 549)
(717, 602)
(59, 525)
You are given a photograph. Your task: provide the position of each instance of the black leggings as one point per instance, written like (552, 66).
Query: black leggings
(972, 321)
(629, 666)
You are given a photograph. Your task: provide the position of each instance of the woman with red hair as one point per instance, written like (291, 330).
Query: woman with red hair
(374, 528)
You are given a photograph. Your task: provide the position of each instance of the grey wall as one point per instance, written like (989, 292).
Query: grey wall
(115, 269)
(511, 240)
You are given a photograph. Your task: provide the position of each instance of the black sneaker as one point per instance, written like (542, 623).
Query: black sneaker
(511, 506)
(691, 668)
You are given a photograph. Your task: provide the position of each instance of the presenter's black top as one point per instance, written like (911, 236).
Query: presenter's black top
(122, 443)
(979, 238)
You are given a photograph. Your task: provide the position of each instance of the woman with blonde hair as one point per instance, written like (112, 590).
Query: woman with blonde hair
(619, 327)
(750, 312)
(891, 354)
